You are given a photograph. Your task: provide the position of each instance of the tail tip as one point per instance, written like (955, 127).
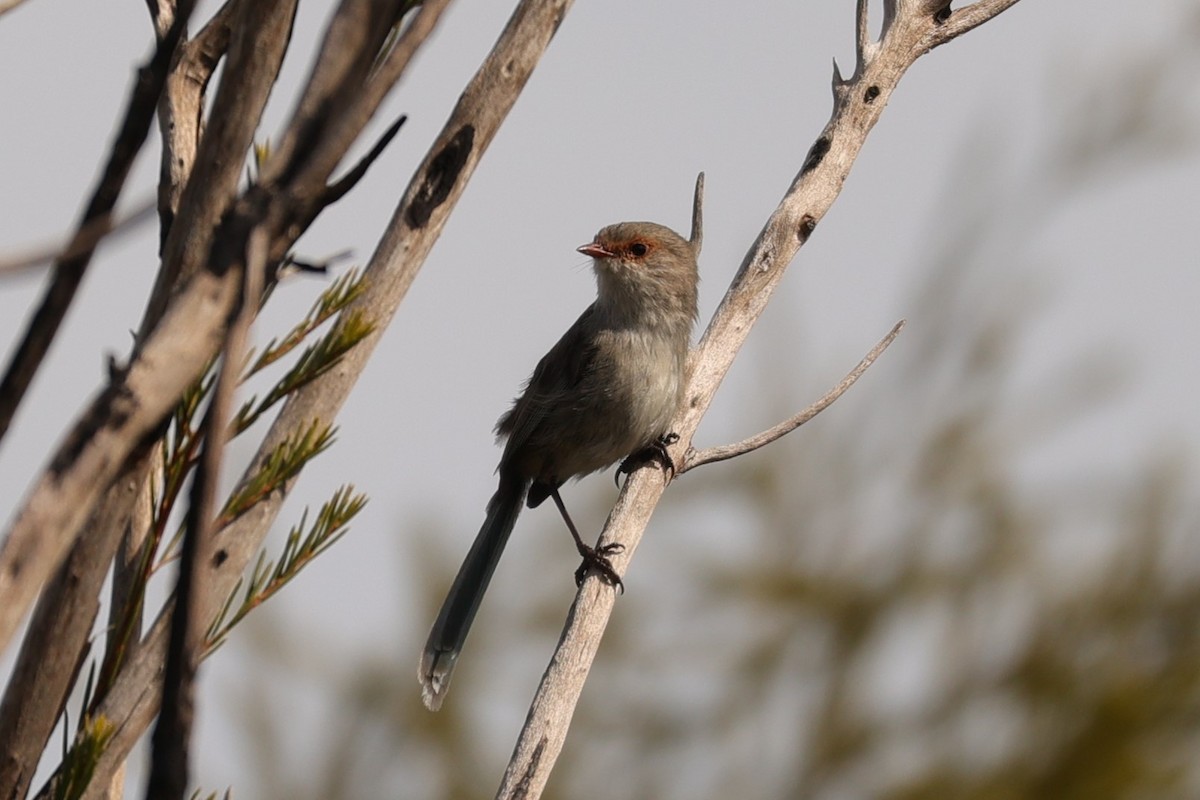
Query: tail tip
(434, 675)
(432, 696)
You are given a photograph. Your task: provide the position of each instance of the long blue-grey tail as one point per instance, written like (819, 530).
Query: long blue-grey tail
(458, 611)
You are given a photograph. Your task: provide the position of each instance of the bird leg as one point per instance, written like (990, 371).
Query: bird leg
(593, 557)
(656, 451)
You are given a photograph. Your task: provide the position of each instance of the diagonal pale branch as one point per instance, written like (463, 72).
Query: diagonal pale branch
(858, 104)
(114, 426)
(698, 458)
(56, 643)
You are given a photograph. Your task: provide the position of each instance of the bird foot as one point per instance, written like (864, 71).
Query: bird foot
(655, 452)
(597, 558)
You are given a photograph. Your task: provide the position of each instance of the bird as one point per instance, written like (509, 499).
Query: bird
(605, 392)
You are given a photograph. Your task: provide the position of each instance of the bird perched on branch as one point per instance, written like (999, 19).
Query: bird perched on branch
(607, 390)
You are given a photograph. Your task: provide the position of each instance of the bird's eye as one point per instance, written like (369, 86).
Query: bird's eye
(638, 249)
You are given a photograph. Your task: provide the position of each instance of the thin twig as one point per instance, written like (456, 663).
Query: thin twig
(344, 184)
(696, 458)
(85, 239)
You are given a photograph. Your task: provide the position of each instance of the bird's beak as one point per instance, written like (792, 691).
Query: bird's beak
(595, 251)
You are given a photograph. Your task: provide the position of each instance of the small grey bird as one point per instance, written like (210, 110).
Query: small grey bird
(608, 389)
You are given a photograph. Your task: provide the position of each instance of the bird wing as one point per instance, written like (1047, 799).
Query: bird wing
(546, 387)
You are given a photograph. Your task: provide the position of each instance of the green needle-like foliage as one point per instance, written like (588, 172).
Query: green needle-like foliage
(340, 294)
(181, 444)
(318, 358)
(211, 795)
(304, 543)
(283, 464)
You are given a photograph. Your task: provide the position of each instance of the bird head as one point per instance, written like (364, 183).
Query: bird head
(640, 262)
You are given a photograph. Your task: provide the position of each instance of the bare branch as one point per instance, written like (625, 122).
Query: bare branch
(68, 273)
(56, 643)
(114, 426)
(696, 458)
(172, 736)
(858, 105)
(348, 91)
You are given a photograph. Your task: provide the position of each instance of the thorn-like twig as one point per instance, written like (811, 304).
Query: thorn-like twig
(338, 189)
(697, 238)
(291, 264)
(708, 455)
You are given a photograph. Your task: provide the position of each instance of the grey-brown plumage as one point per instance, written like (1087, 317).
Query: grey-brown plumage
(608, 388)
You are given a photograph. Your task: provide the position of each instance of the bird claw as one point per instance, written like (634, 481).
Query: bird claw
(656, 451)
(597, 558)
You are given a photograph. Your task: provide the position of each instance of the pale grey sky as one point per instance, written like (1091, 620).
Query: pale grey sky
(631, 101)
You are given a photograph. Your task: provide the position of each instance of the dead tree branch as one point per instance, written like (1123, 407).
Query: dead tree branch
(909, 31)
